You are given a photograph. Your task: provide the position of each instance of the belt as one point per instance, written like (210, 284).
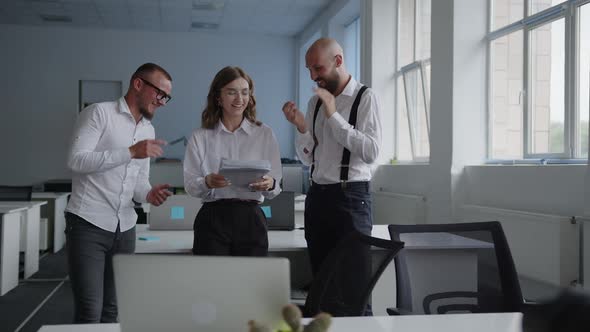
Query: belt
(232, 201)
(342, 185)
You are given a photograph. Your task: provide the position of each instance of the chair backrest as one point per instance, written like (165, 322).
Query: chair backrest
(465, 267)
(15, 193)
(348, 275)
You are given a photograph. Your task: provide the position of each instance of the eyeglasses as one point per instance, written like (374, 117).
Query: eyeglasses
(162, 96)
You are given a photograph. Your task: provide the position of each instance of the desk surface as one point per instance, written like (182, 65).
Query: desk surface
(48, 195)
(501, 322)
(182, 241)
(11, 209)
(22, 204)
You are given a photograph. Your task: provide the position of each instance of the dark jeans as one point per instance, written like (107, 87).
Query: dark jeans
(230, 228)
(332, 212)
(90, 257)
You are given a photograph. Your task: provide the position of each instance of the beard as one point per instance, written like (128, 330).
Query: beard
(331, 82)
(145, 113)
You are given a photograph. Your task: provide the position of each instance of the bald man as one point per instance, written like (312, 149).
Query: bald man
(340, 137)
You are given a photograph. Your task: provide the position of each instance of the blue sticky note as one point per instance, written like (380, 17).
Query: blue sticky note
(149, 238)
(177, 212)
(267, 212)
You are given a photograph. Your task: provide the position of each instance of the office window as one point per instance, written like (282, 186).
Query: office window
(413, 81)
(505, 12)
(352, 48)
(507, 96)
(584, 81)
(534, 78)
(547, 88)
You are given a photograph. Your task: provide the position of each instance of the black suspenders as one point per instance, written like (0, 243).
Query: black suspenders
(346, 153)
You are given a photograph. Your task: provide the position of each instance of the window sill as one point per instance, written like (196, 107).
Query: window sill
(538, 162)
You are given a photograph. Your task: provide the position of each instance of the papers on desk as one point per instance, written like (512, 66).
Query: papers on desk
(240, 173)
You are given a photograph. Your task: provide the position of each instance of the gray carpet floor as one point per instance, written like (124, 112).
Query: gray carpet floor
(45, 298)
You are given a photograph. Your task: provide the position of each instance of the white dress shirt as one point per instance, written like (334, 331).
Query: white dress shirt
(105, 177)
(206, 147)
(335, 133)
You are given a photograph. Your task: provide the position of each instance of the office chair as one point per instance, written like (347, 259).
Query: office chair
(16, 193)
(348, 275)
(465, 267)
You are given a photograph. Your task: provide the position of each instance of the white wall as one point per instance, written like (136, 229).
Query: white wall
(42, 66)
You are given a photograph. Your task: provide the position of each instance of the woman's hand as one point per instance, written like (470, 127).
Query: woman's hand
(215, 180)
(264, 184)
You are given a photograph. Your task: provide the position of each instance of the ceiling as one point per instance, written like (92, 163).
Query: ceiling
(273, 17)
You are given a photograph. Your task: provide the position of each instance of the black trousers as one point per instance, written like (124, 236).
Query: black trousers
(90, 253)
(331, 212)
(230, 228)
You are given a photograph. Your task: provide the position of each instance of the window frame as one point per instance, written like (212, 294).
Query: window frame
(399, 71)
(569, 11)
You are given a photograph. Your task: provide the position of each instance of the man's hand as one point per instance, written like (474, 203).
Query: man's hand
(147, 148)
(328, 100)
(263, 184)
(293, 115)
(158, 194)
(215, 180)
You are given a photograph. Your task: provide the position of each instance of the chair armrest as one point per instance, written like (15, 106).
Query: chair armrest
(398, 312)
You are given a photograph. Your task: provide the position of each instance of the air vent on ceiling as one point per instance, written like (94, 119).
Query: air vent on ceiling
(56, 18)
(211, 5)
(204, 25)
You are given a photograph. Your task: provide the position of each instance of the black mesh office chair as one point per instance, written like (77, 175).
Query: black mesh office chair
(352, 262)
(464, 267)
(15, 193)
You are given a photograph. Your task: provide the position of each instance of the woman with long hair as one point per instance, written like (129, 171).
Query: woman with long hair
(230, 222)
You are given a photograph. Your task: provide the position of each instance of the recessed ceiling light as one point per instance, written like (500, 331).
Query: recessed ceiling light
(211, 5)
(56, 18)
(204, 25)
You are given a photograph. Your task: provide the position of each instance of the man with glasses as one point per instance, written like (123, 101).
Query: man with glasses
(110, 155)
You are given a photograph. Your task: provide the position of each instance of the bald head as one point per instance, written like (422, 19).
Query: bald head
(325, 61)
(327, 47)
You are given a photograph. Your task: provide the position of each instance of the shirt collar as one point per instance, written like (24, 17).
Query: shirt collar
(246, 126)
(350, 87)
(124, 108)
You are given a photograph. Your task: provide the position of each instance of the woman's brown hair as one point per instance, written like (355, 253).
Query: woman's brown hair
(212, 112)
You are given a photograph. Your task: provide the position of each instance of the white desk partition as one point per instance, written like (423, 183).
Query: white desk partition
(54, 212)
(29, 236)
(9, 245)
(497, 322)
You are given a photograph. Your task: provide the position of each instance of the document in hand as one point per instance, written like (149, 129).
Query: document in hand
(243, 172)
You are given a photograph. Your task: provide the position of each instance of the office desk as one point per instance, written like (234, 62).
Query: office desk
(29, 237)
(56, 221)
(292, 245)
(9, 247)
(501, 322)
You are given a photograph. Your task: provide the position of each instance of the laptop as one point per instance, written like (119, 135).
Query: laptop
(280, 211)
(178, 212)
(199, 293)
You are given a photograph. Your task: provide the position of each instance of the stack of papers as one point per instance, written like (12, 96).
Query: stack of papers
(240, 173)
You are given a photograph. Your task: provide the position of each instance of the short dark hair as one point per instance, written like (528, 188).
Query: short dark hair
(148, 68)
